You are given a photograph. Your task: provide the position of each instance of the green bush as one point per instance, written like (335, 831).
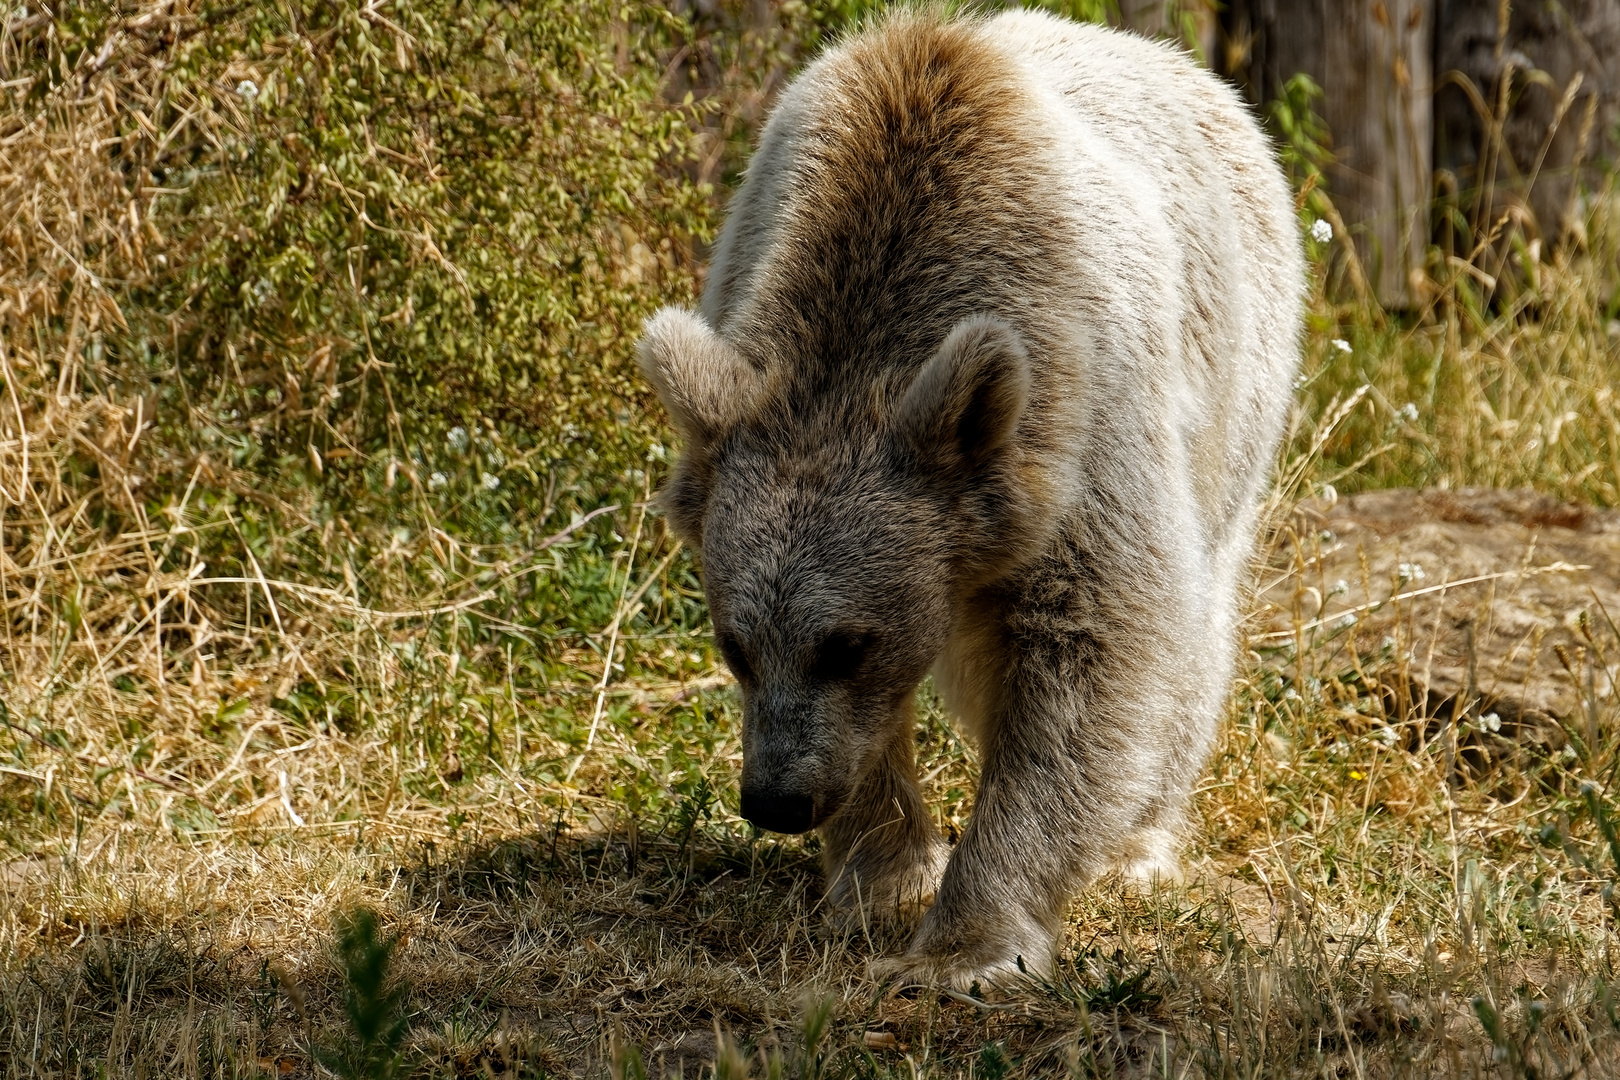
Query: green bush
(374, 223)
(334, 298)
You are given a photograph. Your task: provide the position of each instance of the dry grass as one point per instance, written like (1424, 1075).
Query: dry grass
(212, 753)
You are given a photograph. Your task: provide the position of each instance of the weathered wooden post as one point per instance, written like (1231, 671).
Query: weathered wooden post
(1559, 124)
(1374, 61)
(1414, 95)
(1193, 22)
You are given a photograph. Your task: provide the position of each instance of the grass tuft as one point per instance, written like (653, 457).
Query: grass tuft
(370, 1046)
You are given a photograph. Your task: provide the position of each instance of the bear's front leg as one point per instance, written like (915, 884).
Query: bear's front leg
(881, 850)
(1073, 770)
(998, 914)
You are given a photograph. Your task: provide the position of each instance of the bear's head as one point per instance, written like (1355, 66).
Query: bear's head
(841, 520)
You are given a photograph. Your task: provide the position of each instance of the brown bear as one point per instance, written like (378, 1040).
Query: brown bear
(990, 372)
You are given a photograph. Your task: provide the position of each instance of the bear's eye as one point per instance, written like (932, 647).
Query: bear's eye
(731, 649)
(840, 656)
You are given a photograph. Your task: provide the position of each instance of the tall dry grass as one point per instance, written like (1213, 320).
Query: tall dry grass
(183, 597)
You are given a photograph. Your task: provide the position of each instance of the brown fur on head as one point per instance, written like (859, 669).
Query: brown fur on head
(835, 541)
(860, 446)
(829, 286)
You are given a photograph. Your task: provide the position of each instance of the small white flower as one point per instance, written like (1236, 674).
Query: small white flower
(1342, 345)
(1347, 619)
(1340, 587)
(457, 438)
(438, 480)
(1411, 571)
(1490, 722)
(1409, 413)
(489, 481)
(1385, 735)
(247, 88)
(1321, 230)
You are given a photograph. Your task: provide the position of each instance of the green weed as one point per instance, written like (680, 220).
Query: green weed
(369, 1047)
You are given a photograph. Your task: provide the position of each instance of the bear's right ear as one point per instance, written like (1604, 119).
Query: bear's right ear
(967, 400)
(706, 385)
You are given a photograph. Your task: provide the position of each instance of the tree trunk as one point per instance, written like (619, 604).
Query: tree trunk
(1373, 59)
(1566, 127)
(1191, 22)
(1415, 89)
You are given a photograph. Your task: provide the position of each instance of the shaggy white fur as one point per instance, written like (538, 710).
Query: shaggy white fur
(991, 368)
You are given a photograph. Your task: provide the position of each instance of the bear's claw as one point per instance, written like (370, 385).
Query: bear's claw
(917, 970)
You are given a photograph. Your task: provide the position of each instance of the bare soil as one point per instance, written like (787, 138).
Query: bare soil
(1480, 601)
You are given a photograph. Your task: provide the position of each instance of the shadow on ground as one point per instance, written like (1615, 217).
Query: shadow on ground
(539, 955)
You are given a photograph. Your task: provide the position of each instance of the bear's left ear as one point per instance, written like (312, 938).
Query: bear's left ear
(706, 385)
(966, 402)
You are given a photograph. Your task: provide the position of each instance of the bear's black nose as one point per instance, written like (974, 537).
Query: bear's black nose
(778, 812)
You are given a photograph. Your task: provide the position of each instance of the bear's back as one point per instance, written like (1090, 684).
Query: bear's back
(898, 187)
(1180, 193)
(1098, 192)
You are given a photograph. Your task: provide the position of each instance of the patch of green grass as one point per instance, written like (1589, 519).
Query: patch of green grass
(368, 1047)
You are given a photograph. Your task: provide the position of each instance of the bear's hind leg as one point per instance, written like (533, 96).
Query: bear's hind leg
(1151, 856)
